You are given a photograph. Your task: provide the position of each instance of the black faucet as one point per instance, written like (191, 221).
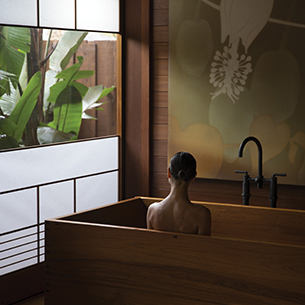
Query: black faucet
(260, 178)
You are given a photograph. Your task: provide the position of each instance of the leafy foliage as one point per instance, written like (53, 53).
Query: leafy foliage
(14, 42)
(13, 126)
(64, 99)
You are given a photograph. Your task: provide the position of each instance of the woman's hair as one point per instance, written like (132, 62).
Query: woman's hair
(183, 166)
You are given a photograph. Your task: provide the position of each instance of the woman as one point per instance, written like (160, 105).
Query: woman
(176, 213)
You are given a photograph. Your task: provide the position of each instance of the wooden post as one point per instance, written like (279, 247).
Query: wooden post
(88, 51)
(137, 98)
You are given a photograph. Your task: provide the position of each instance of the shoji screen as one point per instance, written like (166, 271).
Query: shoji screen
(91, 15)
(49, 181)
(46, 182)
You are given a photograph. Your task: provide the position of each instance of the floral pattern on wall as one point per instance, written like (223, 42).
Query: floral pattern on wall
(237, 68)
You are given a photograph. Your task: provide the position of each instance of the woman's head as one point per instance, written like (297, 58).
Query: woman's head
(183, 166)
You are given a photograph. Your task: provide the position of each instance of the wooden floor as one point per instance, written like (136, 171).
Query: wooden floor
(37, 300)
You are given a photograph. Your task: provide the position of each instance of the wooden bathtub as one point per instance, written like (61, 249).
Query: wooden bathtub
(107, 256)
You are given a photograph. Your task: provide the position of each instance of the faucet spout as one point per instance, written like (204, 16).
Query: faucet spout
(259, 178)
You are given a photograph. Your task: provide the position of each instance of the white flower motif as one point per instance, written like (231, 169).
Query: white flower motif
(229, 73)
(243, 19)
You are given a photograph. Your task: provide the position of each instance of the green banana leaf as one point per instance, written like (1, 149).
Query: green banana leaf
(83, 74)
(67, 112)
(70, 72)
(22, 111)
(8, 142)
(58, 87)
(7, 126)
(66, 74)
(8, 101)
(82, 89)
(14, 42)
(59, 59)
(65, 49)
(5, 79)
(68, 77)
(106, 91)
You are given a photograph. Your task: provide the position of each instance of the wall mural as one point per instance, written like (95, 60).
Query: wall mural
(237, 68)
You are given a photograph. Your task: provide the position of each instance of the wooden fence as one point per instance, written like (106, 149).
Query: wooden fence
(100, 56)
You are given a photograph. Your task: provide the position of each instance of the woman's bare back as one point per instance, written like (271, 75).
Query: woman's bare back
(176, 213)
(178, 216)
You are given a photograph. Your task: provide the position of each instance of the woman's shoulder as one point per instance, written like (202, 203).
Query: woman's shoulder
(155, 204)
(154, 207)
(201, 210)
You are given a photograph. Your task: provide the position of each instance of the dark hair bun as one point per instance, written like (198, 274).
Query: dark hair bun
(183, 166)
(181, 174)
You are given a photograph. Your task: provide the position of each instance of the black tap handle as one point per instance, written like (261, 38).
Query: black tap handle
(279, 175)
(241, 172)
(273, 189)
(246, 186)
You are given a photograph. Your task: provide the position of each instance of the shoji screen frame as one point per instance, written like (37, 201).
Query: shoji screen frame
(38, 8)
(27, 282)
(23, 246)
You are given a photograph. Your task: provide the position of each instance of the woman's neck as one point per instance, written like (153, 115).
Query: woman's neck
(179, 190)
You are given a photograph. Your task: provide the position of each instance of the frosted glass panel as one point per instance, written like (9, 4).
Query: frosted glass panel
(56, 200)
(18, 209)
(98, 15)
(96, 191)
(18, 246)
(42, 242)
(18, 240)
(46, 164)
(19, 12)
(17, 266)
(57, 13)
(33, 166)
(41, 238)
(20, 256)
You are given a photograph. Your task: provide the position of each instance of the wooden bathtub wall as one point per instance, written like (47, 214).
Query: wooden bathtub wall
(258, 223)
(254, 223)
(130, 213)
(229, 221)
(88, 263)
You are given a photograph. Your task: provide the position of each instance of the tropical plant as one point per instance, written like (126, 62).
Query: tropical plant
(14, 43)
(13, 126)
(51, 105)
